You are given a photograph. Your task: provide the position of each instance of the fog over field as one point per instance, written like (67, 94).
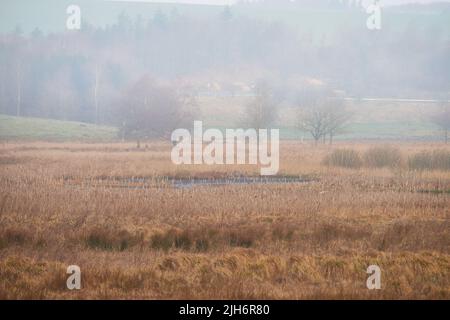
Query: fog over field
(233, 150)
(203, 51)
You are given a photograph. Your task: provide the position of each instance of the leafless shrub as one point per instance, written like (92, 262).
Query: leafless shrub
(328, 231)
(14, 236)
(205, 238)
(380, 157)
(346, 158)
(109, 239)
(411, 235)
(430, 160)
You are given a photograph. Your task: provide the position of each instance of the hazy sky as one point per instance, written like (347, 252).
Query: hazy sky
(210, 2)
(225, 2)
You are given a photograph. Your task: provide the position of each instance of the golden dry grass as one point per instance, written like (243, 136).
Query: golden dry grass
(63, 204)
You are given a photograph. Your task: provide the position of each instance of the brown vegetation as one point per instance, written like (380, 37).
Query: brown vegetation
(78, 204)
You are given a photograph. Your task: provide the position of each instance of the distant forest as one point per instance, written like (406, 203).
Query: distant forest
(83, 75)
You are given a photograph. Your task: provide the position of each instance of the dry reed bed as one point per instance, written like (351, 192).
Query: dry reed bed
(238, 274)
(274, 241)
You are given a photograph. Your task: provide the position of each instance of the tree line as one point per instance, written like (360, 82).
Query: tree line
(104, 74)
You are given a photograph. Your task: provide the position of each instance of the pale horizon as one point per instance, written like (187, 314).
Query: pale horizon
(232, 2)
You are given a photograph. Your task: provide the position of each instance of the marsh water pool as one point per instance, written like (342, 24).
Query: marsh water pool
(182, 182)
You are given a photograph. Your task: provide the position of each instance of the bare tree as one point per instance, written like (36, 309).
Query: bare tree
(313, 122)
(260, 113)
(96, 89)
(323, 117)
(19, 90)
(100, 63)
(150, 110)
(442, 118)
(58, 97)
(336, 118)
(19, 53)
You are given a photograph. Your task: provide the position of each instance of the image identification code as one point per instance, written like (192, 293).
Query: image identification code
(227, 310)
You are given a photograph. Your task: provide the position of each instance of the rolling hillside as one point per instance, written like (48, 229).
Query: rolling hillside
(18, 128)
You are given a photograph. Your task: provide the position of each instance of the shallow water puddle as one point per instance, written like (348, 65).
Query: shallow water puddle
(185, 182)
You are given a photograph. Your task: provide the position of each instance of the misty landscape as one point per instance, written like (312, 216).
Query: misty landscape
(349, 108)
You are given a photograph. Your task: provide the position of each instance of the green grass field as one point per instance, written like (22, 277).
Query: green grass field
(18, 128)
(368, 121)
(375, 131)
(358, 128)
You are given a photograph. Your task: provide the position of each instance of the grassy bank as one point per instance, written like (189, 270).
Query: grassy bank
(19, 128)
